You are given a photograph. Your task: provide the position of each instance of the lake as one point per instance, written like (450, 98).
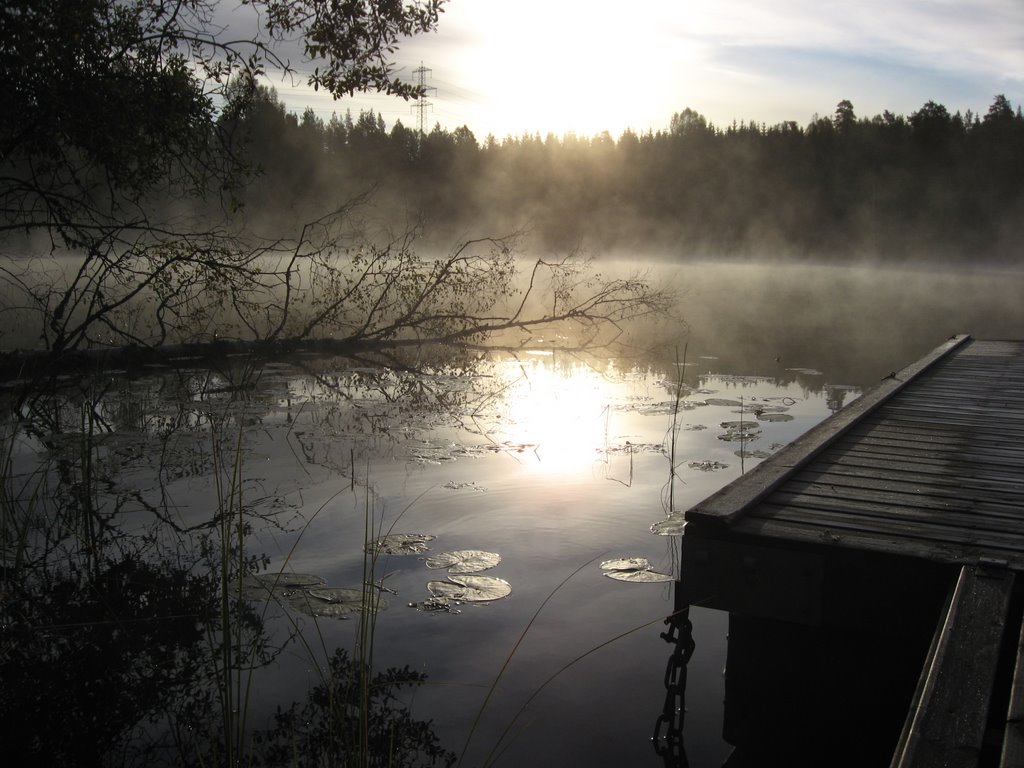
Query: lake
(148, 516)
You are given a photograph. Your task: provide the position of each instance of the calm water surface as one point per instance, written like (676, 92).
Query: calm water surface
(555, 462)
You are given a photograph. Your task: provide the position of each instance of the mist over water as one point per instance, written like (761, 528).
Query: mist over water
(860, 322)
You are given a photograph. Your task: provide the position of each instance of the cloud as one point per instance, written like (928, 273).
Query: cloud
(505, 66)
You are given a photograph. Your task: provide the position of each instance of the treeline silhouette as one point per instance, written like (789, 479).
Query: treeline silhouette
(932, 185)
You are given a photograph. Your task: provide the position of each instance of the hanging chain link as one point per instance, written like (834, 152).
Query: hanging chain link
(668, 730)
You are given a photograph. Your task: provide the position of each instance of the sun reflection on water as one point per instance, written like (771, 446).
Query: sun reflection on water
(561, 412)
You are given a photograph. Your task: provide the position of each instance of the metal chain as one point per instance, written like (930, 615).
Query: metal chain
(668, 729)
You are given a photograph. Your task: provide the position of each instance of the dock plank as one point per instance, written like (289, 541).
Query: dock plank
(928, 466)
(902, 470)
(1012, 755)
(729, 502)
(856, 460)
(946, 724)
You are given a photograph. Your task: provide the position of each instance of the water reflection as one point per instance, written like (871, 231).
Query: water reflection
(668, 728)
(92, 660)
(135, 507)
(562, 413)
(824, 649)
(126, 633)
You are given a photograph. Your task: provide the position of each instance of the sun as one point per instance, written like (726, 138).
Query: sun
(560, 67)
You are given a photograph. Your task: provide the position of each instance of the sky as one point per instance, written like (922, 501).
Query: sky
(507, 67)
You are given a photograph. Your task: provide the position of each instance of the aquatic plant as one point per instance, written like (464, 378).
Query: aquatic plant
(673, 525)
(464, 560)
(635, 569)
(400, 544)
(469, 588)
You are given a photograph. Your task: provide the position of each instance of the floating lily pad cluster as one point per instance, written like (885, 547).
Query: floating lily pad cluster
(401, 544)
(632, 448)
(707, 465)
(464, 583)
(739, 430)
(633, 569)
(454, 486)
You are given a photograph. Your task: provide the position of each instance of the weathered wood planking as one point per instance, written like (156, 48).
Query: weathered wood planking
(1013, 737)
(946, 723)
(728, 503)
(930, 464)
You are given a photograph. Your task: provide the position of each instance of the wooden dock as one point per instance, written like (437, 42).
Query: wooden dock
(918, 482)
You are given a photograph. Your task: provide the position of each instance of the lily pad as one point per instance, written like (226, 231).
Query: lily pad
(337, 594)
(672, 525)
(722, 401)
(401, 544)
(471, 589)
(437, 604)
(454, 486)
(264, 585)
(639, 577)
(739, 425)
(334, 602)
(464, 560)
(632, 448)
(626, 564)
(635, 569)
(292, 580)
(707, 465)
(774, 417)
(738, 435)
(753, 454)
(762, 408)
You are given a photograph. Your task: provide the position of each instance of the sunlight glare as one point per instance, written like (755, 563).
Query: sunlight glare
(563, 412)
(574, 67)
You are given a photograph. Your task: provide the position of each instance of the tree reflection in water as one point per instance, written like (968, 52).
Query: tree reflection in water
(91, 660)
(129, 643)
(353, 718)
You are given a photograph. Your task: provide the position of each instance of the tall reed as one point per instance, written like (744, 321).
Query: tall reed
(676, 405)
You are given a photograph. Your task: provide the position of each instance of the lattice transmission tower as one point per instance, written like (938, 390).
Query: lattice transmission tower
(422, 105)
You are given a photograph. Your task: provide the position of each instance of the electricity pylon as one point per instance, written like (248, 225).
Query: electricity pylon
(422, 104)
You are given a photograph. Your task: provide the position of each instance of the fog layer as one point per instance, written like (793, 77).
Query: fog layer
(930, 185)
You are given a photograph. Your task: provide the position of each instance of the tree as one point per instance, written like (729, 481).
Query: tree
(688, 122)
(112, 109)
(932, 126)
(1000, 112)
(129, 90)
(844, 118)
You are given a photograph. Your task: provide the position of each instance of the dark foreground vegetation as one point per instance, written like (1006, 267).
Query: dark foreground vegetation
(930, 185)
